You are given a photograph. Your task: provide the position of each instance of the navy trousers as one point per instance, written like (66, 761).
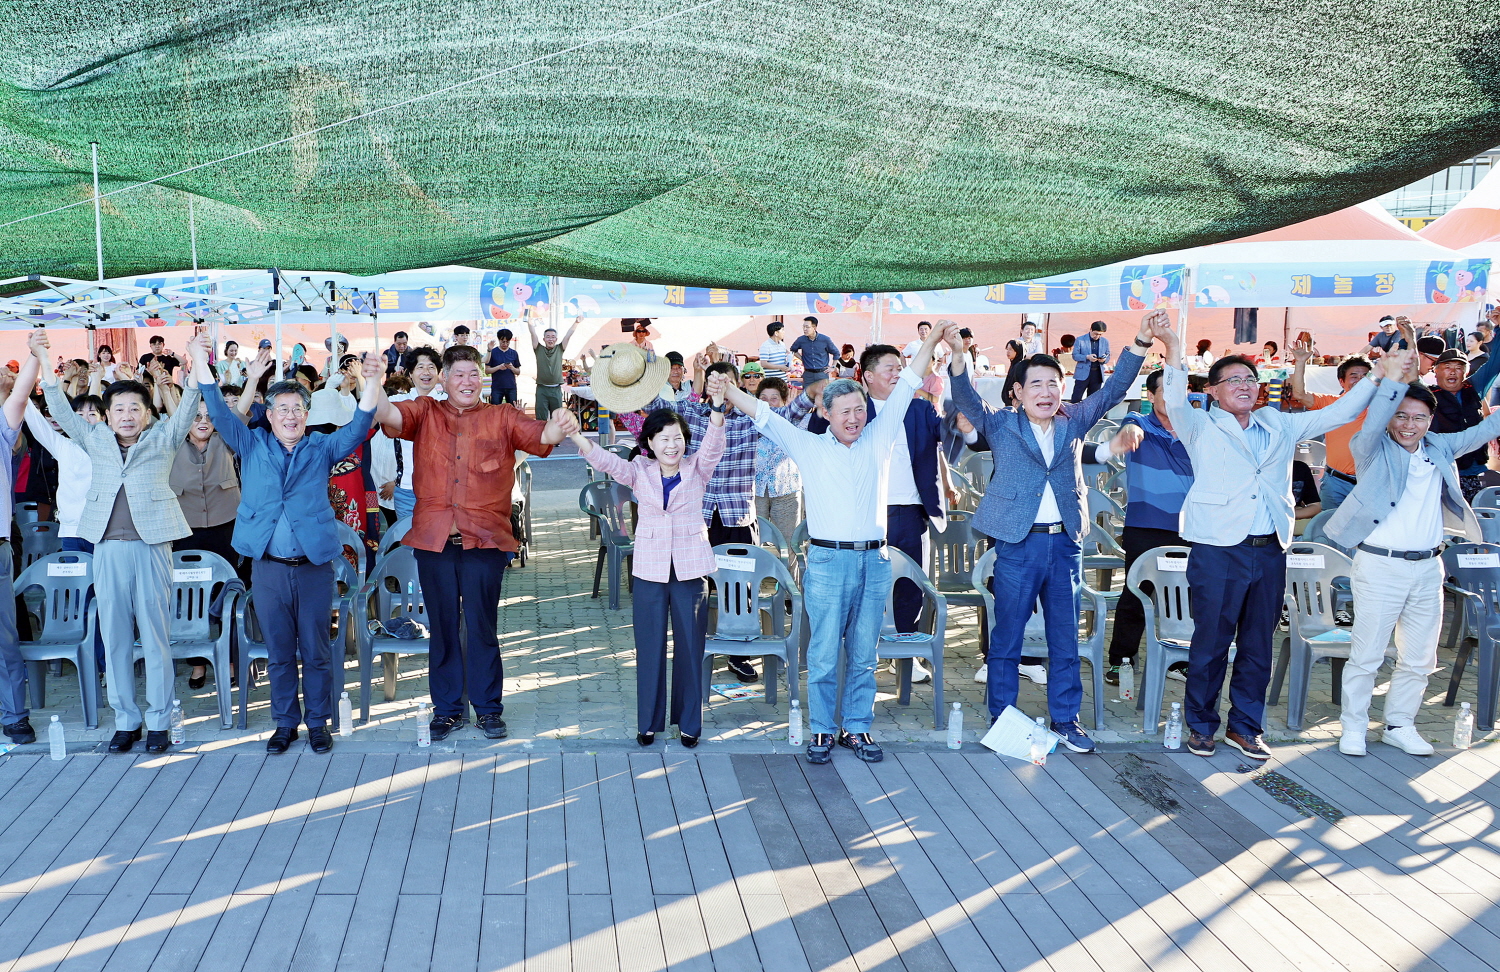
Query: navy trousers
(1237, 593)
(1130, 614)
(1088, 378)
(1045, 567)
(464, 584)
(906, 530)
(295, 608)
(685, 603)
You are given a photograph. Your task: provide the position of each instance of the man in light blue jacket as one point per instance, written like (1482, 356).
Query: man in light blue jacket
(1238, 517)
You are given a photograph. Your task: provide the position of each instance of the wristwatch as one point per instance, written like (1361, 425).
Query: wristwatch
(716, 408)
(1143, 344)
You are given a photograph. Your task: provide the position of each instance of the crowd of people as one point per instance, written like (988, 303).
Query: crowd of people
(257, 460)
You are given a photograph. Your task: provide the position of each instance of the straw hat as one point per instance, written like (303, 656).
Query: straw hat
(626, 378)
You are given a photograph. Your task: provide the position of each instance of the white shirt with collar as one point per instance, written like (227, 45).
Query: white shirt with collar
(1047, 511)
(1417, 523)
(901, 484)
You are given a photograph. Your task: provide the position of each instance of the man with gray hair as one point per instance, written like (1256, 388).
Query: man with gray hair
(848, 574)
(286, 527)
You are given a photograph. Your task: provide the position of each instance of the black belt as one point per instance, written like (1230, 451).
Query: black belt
(1338, 475)
(1261, 540)
(1046, 528)
(287, 561)
(849, 544)
(1401, 554)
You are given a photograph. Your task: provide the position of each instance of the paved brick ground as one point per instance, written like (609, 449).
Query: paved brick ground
(570, 675)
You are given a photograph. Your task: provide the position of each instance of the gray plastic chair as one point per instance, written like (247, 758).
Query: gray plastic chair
(391, 538)
(1478, 591)
(1106, 512)
(1312, 595)
(978, 469)
(744, 605)
(955, 551)
(968, 495)
(1092, 602)
(355, 544)
(1103, 554)
(771, 534)
(1103, 431)
(523, 485)
(56, 590)
(1487, 498)
(1169, 624)
(28, 512)
(1489, 523)
(1312, 452)
(924, 644)
(195, 576)
(608, 502)
(39, 538)
(392, 590)
(252, 643)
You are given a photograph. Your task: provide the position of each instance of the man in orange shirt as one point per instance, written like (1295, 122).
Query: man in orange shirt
(1338, 478)
(463, 468)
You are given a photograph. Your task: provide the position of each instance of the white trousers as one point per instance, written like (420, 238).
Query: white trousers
(1404, 596)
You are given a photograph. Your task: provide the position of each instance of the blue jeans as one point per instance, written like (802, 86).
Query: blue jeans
(1045, 566)
(1333, 490)
(845, 591)
(406, 502)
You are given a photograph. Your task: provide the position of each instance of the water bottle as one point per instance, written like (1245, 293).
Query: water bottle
(424, 725)
(794, 724)
(1463, 728)
(956, 727)
(1127, 681)
(1040, 743)
(1172, 738)
(177, 722)
(55, 739)
(346, 715)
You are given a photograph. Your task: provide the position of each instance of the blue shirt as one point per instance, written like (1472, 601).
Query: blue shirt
(669, 483)
(504, 379)
(1160, 475)
(815, 351)
(1259, 441)
(284, 540)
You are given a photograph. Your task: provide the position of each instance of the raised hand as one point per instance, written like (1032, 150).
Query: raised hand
(1301, 351)
(255, 369)
(1128, 439)
(39, 344)
(1157, 326)
(952, 338)
(371, 365)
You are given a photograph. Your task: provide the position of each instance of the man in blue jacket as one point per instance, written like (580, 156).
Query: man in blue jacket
(1090, 354)
(286, 526)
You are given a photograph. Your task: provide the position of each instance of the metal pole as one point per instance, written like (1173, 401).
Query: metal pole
(877, 320)
(193, 237)
(276, 297)
(98, 225)
(1182, 310)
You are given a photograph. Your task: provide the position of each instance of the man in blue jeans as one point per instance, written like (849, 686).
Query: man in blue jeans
(848, 576)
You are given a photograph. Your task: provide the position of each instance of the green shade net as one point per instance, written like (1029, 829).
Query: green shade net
(826, 146)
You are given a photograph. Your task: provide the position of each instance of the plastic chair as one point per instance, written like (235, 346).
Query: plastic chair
(391, 538)
(926, 645)
(195, 575)
(252, 644)
(955, 551)
(1092, 602)
(1169, 623)
(1487, 498)
(1311, 598)
(523, 485)
(770, 534)
(354, 544)
(606, 502)
(39, 538)
(1102, 553)
(1489, 523)
(28, 512)
(392, 590)
(742, 602)
(1102, 432)
(968, 495)
(1478, 591)
(1314, 532)
(1312, 452)
(1106, 512)
(978, 470)
(65, 620)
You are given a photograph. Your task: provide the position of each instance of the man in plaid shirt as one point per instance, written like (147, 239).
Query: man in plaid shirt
(729, 499)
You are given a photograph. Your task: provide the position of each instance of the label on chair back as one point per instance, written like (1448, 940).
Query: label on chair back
(67, 570)
(1479, 560)
(724, 562)
(190, 575)
(1314, 561)
(1177, 564)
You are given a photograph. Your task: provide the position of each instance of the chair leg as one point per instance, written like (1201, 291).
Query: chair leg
(1098, 674)
(1485, 717)
(1299, 670)
(1274, 696)
(708, 676)
(37, 675)
(365, 664)
(1337, 664)
(939, 711)
(903, 677)
(771, 672)
(222, 695)
(1460, 662)
(599, 568)
(614, 579)
(391, 662)
(1154, 689)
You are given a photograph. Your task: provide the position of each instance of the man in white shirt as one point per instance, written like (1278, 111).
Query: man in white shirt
(911, 349)
(844, 475)
(1031, 341)
(774, 357)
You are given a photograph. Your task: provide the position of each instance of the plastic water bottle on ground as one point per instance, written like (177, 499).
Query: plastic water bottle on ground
(177, 723)
(1127, 681)
(55, 739)
(1172, 738)
(794, 724)
(346, 715)
(424, 725)
(1040, 742)
(1463, 728)
(956, 727)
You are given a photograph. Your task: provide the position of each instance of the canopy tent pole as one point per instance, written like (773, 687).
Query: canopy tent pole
(276, 301)
(877, 320)
(375, 321)
(1182, 310)
(98, 225)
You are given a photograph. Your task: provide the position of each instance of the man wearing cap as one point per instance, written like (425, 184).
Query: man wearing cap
(773, 354)
(463, 473)
(549, 366)
(750, 377)
(1386, 339)
(1460, 405)
(679, 387)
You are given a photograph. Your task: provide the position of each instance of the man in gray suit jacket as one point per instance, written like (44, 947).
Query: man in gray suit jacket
(1408, 490)
(1033, 507)
(1238, 517)
(131, 517)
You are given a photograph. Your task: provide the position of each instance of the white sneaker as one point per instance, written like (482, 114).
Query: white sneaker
(1408, 740)
(1352, 743)
(919, 672)
(1037, 673)
(983, 675)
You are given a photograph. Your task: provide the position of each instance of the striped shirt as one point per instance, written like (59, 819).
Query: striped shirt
(774, 358)
(1159, 473)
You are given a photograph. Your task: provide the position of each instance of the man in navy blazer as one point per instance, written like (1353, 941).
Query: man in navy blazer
(285, 525)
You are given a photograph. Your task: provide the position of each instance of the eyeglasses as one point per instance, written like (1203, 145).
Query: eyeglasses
(288, 410)
(1405, 417)
(1238, 382)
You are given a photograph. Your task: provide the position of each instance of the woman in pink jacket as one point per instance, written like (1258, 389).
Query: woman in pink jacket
(672, 558)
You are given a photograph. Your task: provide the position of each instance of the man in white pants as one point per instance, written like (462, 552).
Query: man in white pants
(1407, 486)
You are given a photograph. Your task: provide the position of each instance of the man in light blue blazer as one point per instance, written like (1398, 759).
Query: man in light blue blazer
(1238, 517)
(1034, 508)
(1408, 490)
